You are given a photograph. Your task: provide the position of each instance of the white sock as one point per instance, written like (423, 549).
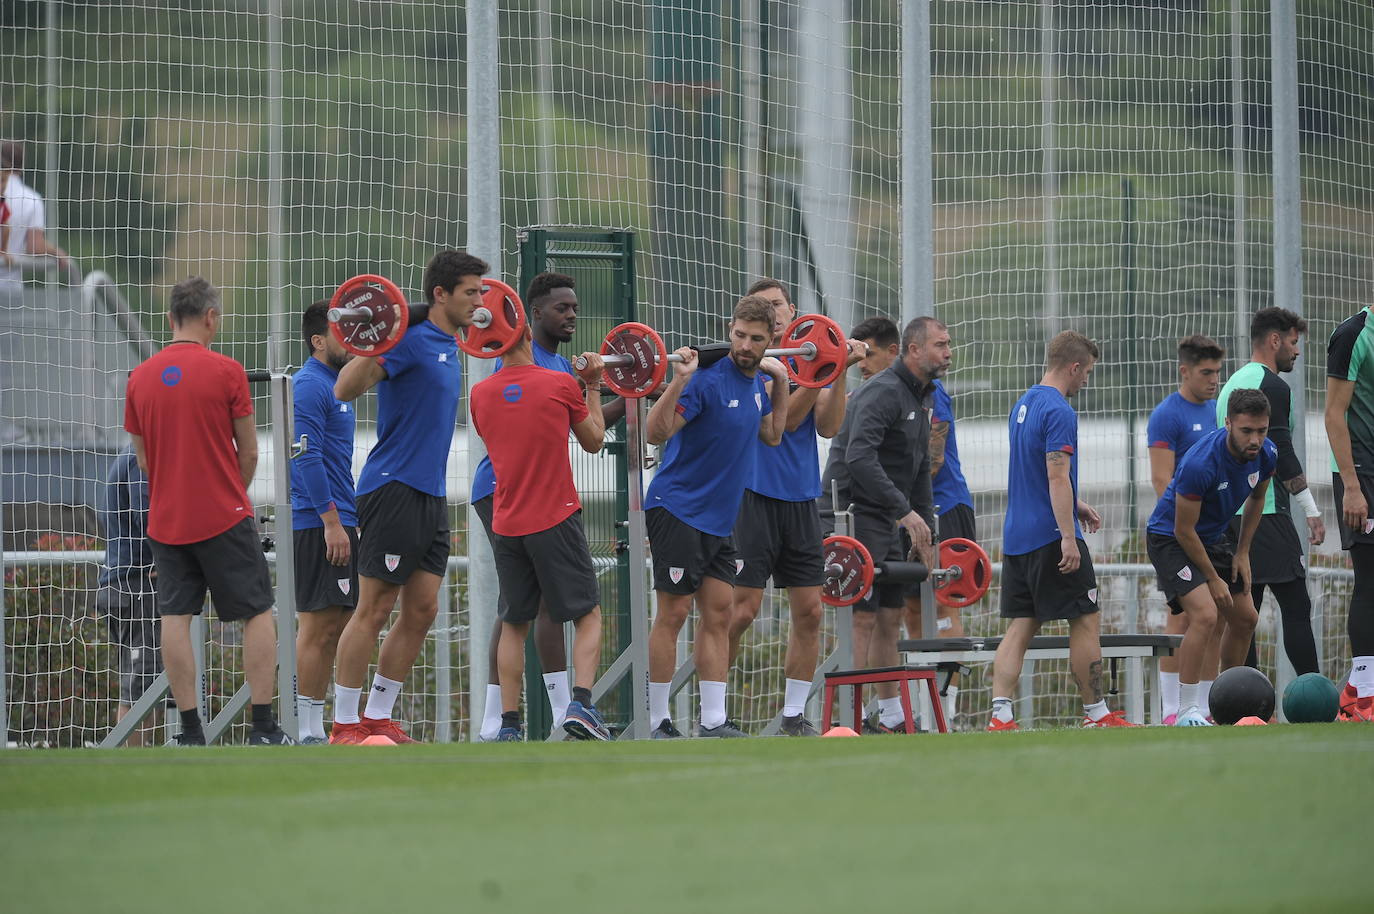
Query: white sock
(303, 703)
(1362, 676)
(1001, 709)
(1204, 697)
(317, 717)
(712, 704)
(382, 698)
(1168, 692)
(556, 684)
(1188, 696)
(491, 714)
(794, 697)
(1096, 712)
(658, 703)
(890, 712)
(346, 704)
(950, 700)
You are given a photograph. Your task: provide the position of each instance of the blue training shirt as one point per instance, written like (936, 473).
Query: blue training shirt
(707, 463)
(417, 407)
(322, 476)
(484, 477)
(792, 470)
(1042, 421)
(1177, 424)
(949, 486)
(123, 518)
(1210, 473)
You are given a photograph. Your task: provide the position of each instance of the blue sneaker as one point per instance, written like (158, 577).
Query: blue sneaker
(1192, 718)
(511, 735)
(585, 722)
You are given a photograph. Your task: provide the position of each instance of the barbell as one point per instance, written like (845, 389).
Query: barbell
(369, 316)
(964, 577)
(814, 351)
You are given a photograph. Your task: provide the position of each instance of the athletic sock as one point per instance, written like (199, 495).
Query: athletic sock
(263, 719)
(510, 719)
(1001, 709)
(1188, 696)
(795, 692)
(491, 714)
(382, 698)
(556, 684)
(346, 704)
(190, 722)
(1362, 676)
(658, 703)
(950, 700)
(890, 712)
(712, 704)
(303, 703)
(1204, 695)
(1096, 712)
(581, 696)
(1168, 692)
(317, 717)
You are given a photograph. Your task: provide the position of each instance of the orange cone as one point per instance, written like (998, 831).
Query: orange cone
(839, 731)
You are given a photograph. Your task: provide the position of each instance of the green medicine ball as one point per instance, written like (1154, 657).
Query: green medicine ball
(1311, 699)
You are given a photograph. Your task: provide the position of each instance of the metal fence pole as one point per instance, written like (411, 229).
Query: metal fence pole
(1240, 256)
(286, 555)
(276, 272)
(917, 190)
(4, 612)
(1288, 237)
(484, 240)
(443, 664)
(52, 212)
(1049, 174)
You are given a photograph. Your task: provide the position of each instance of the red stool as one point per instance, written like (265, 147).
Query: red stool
(899, 674)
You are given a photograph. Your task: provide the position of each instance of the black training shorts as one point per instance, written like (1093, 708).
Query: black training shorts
(403, 530)
(231, 565)
(320, 585)
(683, 556)
(1177, 575)
(1276, 553)
(553, 565)
(1034, 588)
(1351, 537)
(885, 543)
(957, 523)
(778, 539)
(483, 508)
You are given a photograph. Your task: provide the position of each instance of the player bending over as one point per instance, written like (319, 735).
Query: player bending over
(1200, 568)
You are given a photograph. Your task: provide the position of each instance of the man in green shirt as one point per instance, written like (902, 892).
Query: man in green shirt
(1276, 557)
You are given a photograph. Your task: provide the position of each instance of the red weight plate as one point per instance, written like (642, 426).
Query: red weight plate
(389, 315)
(832, 350)
(974, 577)
(848, 571)
(648, 360)
(503, 318)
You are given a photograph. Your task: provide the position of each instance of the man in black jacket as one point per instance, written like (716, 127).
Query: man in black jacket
(881, 454)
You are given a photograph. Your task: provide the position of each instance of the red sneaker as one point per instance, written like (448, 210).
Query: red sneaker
(347, 734)
(1114, 719)
(388, 728)
(1000, 726)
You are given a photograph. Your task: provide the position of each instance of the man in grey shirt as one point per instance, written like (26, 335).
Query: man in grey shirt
(881, 454)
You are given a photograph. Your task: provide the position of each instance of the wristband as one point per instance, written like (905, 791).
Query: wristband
(1308, 503)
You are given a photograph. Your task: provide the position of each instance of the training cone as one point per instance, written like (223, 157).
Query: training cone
(376, 740)
(839, 731)
(1251, 721)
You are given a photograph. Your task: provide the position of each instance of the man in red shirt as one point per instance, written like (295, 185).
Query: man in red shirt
(524, 414)
(191, 419)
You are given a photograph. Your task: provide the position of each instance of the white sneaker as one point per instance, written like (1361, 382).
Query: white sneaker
(1193, 717)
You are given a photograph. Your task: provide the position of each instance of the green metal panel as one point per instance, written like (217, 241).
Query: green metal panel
(603, 264)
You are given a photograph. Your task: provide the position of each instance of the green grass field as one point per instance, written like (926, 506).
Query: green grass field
(1246, 819)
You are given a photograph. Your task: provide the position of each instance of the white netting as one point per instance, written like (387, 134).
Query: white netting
(1086, 175)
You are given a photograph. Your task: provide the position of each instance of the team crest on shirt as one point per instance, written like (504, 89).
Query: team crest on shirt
(1254, 479)
(392, 561)
(1021, 414)
(1186, 572)
(675, 575)
(344, 585)
(739, 565)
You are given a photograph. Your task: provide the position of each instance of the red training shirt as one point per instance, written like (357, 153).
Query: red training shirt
(524, 414)
(183, 403)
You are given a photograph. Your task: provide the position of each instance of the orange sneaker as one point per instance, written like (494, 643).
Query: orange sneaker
(347, 734)
(1355, 708)
(1114, 719)
(388, 728)
(999, 726)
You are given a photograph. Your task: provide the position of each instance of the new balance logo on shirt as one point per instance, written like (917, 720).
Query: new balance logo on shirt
(732, 404)
(1225, 484)
(443, 356)
(1197, 427)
